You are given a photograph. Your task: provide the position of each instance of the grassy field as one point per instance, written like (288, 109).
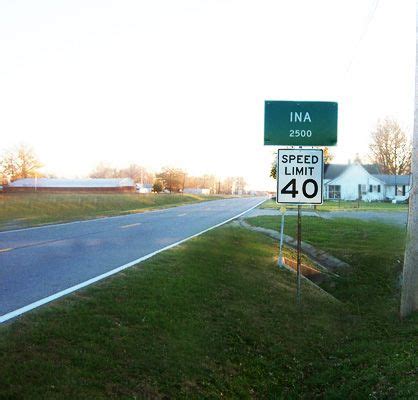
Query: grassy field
(22, 210)
(345, 206)
(193, 323)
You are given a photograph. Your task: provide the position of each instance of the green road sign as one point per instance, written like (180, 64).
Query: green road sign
(300, 123)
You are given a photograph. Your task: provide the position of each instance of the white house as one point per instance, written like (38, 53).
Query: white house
(396, 186)
(365, 182)
(143, 188)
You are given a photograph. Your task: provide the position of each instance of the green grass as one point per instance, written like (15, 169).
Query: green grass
(216, 318)
(359, 243)
(344, 206)
(377, 343)
(22, 210)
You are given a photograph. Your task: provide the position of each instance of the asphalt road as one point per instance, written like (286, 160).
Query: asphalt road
(38, 262)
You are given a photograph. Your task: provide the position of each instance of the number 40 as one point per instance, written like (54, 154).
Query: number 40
(290, 188)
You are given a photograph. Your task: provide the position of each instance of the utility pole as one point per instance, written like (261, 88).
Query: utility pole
(409, 297)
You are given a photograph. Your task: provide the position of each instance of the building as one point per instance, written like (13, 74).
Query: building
(364, 182)
(196, 191)
(143, 188)
(71, 185)
(396, 186)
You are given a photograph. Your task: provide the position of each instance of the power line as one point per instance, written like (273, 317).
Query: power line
(363, 34)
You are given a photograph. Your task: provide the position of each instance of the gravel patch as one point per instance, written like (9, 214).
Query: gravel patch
(394, 218)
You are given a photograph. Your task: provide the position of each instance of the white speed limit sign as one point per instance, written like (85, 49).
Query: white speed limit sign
(300, 174)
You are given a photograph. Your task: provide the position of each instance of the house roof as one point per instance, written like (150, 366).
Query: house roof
(331, 171)
(72, 183)
(395, 179)
(334, 170)
(372, 169)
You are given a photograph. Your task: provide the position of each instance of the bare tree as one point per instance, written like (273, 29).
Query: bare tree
(104, 170)
(137, 173)
(134, 171)
(227, 185)
(390, 148)
(20, 162)
(172, 178)
(240, 184)
(205, 181)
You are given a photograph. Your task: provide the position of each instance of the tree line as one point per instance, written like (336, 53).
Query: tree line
(172, 179)
(22, 162)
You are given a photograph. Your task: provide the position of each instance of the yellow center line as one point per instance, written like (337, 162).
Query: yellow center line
(4, 250)
(130, 225)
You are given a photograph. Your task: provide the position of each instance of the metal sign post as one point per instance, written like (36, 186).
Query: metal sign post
(299, 240)
(299, 181)
(280, 260)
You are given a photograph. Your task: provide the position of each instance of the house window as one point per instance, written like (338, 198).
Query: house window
(334, 191)
(398, 190)
(378, 188)
(370, 188)
(363, 189)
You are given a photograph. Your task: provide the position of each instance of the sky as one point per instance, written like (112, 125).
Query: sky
(183, 83)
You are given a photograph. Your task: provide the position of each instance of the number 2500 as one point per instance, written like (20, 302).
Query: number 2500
(302, 133)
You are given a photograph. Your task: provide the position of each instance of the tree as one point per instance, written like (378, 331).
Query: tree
(193, 182)
(104, 170)
(273, 169)
(172, 178)
(390, 148)
(230, 185)
(327, 159)
(137, 173)
(157, 187)
(134, 171)
(227, 185)
(240, 185)
(19, 163)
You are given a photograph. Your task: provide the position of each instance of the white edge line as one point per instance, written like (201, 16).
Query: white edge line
(45, 300)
